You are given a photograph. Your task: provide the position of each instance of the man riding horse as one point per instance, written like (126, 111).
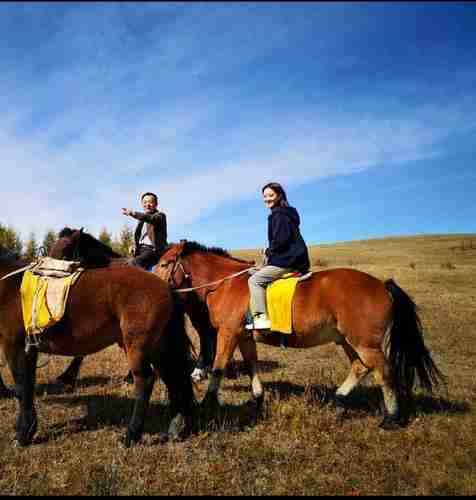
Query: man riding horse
(150, 237)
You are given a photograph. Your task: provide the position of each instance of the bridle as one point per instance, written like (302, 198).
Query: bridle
(171, 279)
(187, 276)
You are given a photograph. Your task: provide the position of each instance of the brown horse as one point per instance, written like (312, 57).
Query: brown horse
(122, 305)
(375, 322)
(74, 244)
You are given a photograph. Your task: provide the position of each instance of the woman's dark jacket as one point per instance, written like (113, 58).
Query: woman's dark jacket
(286, 245)
(157, 230)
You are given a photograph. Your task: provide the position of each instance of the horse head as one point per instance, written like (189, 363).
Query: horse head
(65, 248)
(75, 244)
(170, 267)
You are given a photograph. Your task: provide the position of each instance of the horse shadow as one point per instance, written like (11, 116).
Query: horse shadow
(364, 399)
(237, 368)
(57, 387)
(103, 411)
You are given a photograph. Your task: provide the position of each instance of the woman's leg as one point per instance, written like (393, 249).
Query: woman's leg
(258, 283)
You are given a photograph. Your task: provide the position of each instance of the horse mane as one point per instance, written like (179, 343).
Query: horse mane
(93, 252)
(66, 231)
(99, 245)
(190, 247)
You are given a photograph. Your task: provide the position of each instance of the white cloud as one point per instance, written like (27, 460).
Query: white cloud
(119, 112)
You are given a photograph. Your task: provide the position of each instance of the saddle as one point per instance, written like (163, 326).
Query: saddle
(279, 301)
(44, 294)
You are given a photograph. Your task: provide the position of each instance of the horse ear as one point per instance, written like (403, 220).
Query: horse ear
(81, 230)
(181, 246)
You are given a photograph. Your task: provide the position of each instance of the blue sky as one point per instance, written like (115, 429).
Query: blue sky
(365, 112)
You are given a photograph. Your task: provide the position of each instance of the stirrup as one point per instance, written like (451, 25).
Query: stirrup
(259, 323)
(32, 341)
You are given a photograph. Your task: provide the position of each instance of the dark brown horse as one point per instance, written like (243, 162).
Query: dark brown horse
(122, 305)
(375, 322)
(74, 244)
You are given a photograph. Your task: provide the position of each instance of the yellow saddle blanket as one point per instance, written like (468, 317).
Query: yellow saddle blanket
(44, 300)
(279, 300)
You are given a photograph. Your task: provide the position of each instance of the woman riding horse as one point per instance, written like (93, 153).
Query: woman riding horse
(375, 322)
(286, 252)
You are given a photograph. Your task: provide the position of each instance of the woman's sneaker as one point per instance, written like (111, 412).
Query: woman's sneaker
(260, 322)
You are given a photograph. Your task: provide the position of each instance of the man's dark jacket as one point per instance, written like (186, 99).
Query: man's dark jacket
(286, 245)
(157, 230)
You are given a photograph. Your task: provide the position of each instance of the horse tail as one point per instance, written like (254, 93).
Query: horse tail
(408, 354)
(175, 362)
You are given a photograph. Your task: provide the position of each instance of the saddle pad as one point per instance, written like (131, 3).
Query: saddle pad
(44, 300)
(279, 300)
(47, 265)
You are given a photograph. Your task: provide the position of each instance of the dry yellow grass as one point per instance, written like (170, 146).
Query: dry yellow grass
(298, 447)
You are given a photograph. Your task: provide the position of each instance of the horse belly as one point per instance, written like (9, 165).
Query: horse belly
(301, 340)
(81, 341)
(318, 336)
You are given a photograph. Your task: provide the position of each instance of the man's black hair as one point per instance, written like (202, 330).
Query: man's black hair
(150, 194)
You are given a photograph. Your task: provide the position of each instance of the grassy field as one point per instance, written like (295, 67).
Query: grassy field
(299, 447)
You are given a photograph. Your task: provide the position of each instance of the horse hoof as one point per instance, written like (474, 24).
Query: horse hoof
(24, 435)
(128, 441)
(177, 428)
(390, 423)
(163, 438)
(131, 437)
(17, 443)
(199, 375)
(259, 402)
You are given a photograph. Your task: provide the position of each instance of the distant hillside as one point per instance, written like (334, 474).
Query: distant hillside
(437, 250)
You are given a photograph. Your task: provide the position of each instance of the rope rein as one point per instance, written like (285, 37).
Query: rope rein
(206, 285)
(18, 271)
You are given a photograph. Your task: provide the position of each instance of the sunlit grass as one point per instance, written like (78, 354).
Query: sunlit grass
(299, 446)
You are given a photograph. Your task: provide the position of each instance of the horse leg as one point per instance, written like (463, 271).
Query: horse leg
(69, 377)
(247, 347)
(199, 317)
(23, 368)
(358, 371)
(227, 341)
(144, 379)
(5, 392)
(206, 356)
(376, 361)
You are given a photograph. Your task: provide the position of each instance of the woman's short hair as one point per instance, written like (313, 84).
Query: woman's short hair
(279, 190)
(142, 196)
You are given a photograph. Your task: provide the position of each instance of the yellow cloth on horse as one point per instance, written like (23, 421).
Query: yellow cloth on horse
(44, 300)
(279, 299)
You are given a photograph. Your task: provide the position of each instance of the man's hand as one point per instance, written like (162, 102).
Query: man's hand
(126, 211)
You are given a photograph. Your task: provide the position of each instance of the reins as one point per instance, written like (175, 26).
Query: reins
(206, 285)
(18, 271)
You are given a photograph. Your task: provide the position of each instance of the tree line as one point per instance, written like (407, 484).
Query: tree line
(33, 247)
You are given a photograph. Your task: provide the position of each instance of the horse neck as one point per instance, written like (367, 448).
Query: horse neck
(8, 266)
(206, 268)
(12, 283)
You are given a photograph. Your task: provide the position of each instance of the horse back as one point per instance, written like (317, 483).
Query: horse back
(344, 302)
(120, 294)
